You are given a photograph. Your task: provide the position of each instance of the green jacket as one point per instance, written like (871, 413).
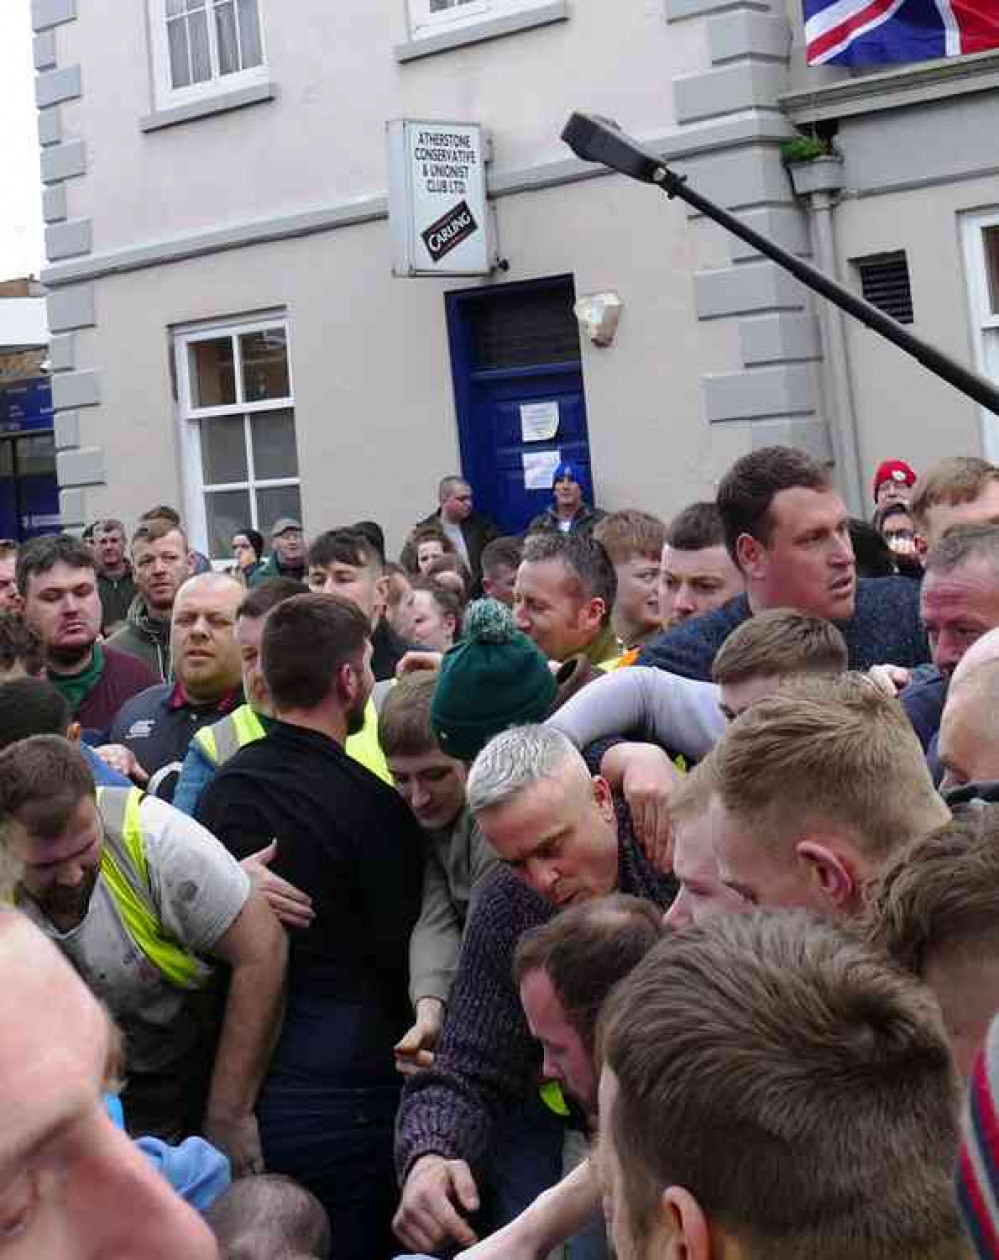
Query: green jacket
(145, 637)
(271, 569)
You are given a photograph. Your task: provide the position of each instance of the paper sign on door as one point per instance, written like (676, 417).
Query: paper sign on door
(538, 421)
(539, 469)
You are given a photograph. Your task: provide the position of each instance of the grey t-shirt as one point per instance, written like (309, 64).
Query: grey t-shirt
(453, 532)
(199, 890)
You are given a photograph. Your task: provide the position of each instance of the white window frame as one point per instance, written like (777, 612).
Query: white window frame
(191, 418)
(423, 24)
(166, 95)
(984, 321)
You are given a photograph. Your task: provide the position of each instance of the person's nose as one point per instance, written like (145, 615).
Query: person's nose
(683, 601)
(947, 652)
(121, 1206)
(520, 617)
(70, 874)
(543, 878)
(421, 797)
(550, 1070)
(842, 553)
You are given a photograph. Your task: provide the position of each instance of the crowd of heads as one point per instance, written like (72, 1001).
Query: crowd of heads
(777, 1066)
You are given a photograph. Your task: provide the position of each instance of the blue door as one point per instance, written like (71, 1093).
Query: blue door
(519, 393)
(29, 493)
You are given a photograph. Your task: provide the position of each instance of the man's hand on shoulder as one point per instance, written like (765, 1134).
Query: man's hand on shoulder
(428, 1214)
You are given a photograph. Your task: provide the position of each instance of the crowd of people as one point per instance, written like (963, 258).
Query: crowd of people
(628, 885)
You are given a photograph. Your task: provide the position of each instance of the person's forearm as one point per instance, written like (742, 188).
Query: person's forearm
(254, 1012)
(559, 1213)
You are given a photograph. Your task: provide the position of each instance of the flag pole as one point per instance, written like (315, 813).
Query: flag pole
(596, 139)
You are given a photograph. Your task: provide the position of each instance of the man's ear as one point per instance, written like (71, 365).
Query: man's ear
(750, 555)
(687, 1234)
(831, 872)
(74, 732)
(921, 545)
(592, 612)
(190, 563)
(603, 796)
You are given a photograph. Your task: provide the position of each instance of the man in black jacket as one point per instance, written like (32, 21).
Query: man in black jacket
(469, 530)
(349, 841)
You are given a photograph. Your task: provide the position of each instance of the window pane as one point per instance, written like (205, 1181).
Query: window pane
(225, 29)
(227, 512)
(36, 455)
(991, 243)
(180, 66)
(274, 453)
(201, 61)
(275, 503)
(250, 43)
(223, 450)
(213, 376)
(265, 365)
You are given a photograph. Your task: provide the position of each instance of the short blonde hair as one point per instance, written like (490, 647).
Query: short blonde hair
(630, 533)
(960, 479)
(830, 752)
(693, 794)
(781, 642)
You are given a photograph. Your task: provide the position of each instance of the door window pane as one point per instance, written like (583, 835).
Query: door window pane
(274, 503)
(991, 243)
(223, 450)
(213, 375)
(227, 511)
(265, 365)
(36, 455)
(250, 44)
(274, 453)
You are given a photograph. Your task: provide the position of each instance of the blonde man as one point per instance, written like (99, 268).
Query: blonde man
(963, 490)
(634, 541)
(819, 785)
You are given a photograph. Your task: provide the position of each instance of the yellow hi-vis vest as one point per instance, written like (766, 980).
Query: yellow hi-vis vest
(126, 875)
(224, 738)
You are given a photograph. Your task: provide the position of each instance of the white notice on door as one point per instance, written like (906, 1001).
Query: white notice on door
(539, 469)
(538, 421)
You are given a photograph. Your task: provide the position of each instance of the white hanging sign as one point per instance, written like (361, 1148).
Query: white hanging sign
(438, 213)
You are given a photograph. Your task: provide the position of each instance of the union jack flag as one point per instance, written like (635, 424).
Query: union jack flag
(866, 32)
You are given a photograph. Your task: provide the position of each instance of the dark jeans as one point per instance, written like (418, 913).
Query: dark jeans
(332, 1133)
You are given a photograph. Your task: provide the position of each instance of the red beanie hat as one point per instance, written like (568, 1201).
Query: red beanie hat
(896, 470)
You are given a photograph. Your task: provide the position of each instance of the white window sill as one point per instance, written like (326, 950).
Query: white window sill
(218, 103)
(476, 32)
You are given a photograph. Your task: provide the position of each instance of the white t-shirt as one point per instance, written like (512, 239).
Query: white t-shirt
(453, 532)
(199, 889)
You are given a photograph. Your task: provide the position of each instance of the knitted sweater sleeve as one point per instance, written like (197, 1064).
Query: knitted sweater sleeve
(487, 1060)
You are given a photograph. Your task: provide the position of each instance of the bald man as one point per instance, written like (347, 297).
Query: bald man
(969, 728)
(72, 1184)
(152, 731)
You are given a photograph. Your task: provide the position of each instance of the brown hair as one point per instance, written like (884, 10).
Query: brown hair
(586, 951)
(631, 533)
(941, 892)
(429, 531)
(404, 723)
(269, 1216)
(20, 644)
(42, 554)
(451, 562)
(259, 600)
(959, 479)
(697, 526)
(445, 598)
(42, 781)
(781, 641)
(305, 641)
(154, 528)
(506, 551)
(775, 1067)
(748, 489)
(8, 548)
(829, 751)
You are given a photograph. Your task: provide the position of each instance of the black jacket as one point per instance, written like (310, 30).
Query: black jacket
(477, 531)
(349, 841)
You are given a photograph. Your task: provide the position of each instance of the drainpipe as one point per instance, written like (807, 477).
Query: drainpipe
(818, 183)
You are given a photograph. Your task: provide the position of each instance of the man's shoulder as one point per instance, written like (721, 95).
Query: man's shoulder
(128, 669)
(149, 705)
(690, 649)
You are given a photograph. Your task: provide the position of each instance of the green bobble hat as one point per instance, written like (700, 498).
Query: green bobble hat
(493, 679)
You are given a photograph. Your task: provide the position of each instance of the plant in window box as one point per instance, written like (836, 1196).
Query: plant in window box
(813, 164)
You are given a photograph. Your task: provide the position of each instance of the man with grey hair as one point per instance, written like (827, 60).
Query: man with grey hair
(469, 530)
(115, 580)
(958, 603)
(561, 839)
